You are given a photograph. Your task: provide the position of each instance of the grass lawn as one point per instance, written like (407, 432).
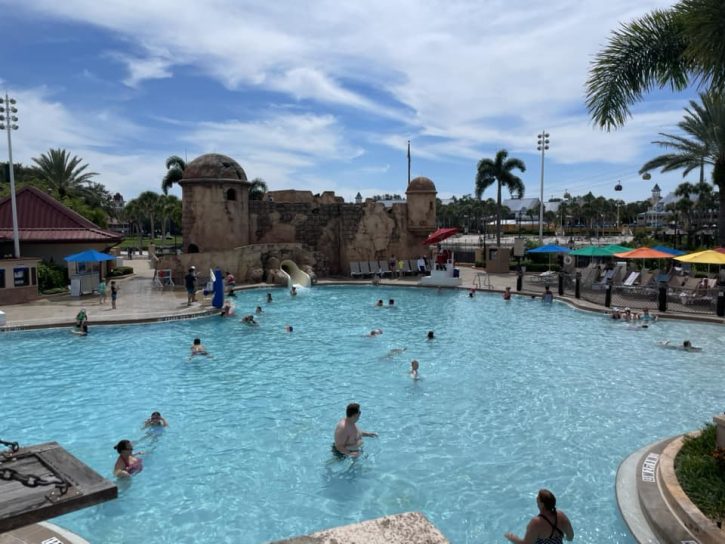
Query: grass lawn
(133, 241)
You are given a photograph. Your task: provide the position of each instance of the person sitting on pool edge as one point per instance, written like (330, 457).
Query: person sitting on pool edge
(348, 438)
(197, 348)
(156, 420)
(81, 318)
(127, 464)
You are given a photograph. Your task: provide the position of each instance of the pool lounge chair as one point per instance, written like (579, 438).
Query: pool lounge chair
(413, 266)
(384, 268)
(545, 277)
(355, 271)
(631, 279)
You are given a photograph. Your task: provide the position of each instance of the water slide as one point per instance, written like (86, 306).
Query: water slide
(295, 276)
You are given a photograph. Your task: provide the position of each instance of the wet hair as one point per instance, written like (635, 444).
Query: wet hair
(548, 500)
(686, 344)
(391, 302)
(156, 414)
(430, 334)
(122, 445)
(414, 364)
(352, 409)
(197, 341)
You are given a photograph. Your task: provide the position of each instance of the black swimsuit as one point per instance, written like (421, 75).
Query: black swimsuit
(556, 536)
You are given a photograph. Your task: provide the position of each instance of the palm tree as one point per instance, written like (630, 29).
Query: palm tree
(676, 47)
(64, 174)
(703, 142)
(148, 204)
(258, 189)
(499, 170)
(175, 167)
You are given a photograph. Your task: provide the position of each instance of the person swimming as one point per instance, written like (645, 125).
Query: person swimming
(414, 369)
(269, 297)
(289, 328)
(156, 420)
(197, 348)
(375, 332)
(127, 464)
(430, 335)
(686, 346)
(249, 320)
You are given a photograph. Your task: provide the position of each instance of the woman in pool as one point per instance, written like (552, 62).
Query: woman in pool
(197, 348)
(549, 527)
(127, 464)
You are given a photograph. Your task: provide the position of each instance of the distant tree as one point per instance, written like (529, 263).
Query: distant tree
(258, 189)
(175, 167)
(64, 174)
(500, 171)
(148, 205)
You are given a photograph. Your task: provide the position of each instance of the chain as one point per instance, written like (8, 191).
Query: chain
(31, 480)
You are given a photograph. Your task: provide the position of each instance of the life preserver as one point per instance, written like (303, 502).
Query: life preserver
(568, 260)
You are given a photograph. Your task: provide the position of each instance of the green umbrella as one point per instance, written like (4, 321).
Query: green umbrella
(592, 251)
(614, 248)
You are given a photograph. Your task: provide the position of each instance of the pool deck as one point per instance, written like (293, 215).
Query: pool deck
(140, 302)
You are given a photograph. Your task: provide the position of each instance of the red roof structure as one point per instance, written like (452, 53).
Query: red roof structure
(41, 218)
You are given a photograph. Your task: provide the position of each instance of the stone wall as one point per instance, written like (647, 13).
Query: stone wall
(336, 233)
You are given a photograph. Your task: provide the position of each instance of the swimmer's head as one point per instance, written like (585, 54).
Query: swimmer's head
(288, 328)
(430, 334)
(123, 445)
(352, 409)
(414, 364)
(197, 341)
(686, 344)
(391, 302)
(547, 500)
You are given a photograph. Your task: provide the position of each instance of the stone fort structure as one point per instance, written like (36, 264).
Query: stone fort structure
(322, 234)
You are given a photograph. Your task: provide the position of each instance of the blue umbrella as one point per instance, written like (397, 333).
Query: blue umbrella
(549, 248)
(670, 250)
(89, 256)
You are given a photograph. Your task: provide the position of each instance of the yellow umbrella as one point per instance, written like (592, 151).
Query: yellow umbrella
(708, 256)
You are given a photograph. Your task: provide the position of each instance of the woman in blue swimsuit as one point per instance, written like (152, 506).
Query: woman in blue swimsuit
(549, 527)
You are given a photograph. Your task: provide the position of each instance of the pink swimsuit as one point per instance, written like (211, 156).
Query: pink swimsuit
(133, 467)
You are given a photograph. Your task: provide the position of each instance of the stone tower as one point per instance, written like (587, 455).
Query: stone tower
(215, 203)
(656, 195)
(421, 197)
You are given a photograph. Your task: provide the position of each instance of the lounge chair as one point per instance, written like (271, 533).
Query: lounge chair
(413, 266)
(384, 269)
(374, 268)
(629, 281)
(355, 271)
(545, 277)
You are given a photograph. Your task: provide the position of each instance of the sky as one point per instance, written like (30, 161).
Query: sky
(324, 95)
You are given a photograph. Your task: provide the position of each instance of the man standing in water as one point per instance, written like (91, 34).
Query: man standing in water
(348, 438)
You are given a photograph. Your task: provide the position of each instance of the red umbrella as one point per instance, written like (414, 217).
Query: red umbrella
(439, 236)
(720, 249)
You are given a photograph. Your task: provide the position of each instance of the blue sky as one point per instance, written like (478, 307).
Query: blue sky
(324, 95)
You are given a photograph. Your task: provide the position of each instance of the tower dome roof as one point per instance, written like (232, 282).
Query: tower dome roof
(214, 166)
(421, 185)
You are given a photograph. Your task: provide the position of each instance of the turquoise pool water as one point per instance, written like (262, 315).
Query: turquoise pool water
(513, 397)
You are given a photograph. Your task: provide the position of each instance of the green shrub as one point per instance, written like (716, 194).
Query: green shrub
(120, 271)
(700, 469)
(51, 276)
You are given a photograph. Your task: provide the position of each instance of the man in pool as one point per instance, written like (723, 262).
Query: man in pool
(348, 438)
(156, 420)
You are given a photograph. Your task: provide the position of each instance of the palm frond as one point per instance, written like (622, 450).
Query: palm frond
(641, 55)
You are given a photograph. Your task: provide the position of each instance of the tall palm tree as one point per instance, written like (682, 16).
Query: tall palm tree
(499, 170)
(63, 173)
(148, 203)
(258, 189)
(675, 48)
(703, 142)
(175, 167)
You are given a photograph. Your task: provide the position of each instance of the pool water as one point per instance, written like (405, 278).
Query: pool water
(514, 396)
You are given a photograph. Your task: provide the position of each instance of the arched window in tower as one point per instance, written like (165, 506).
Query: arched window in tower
(430, 206)
(231, 194)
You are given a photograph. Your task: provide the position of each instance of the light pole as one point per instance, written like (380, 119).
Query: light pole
(7, 122)
(543, 145)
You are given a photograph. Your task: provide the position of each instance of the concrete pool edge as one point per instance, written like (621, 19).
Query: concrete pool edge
(652, 503)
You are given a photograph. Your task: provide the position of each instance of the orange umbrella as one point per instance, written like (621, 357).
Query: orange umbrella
(644, 253)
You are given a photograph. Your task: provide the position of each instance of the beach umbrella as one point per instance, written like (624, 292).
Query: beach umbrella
(614, 248)
(89, 256)
(593, 251)
(709, 256)
(549, 248)
(643, 253)
(439, 235)
(670, 250)
(720, 249)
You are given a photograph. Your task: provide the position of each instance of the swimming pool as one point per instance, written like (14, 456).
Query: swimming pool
(513, 397)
